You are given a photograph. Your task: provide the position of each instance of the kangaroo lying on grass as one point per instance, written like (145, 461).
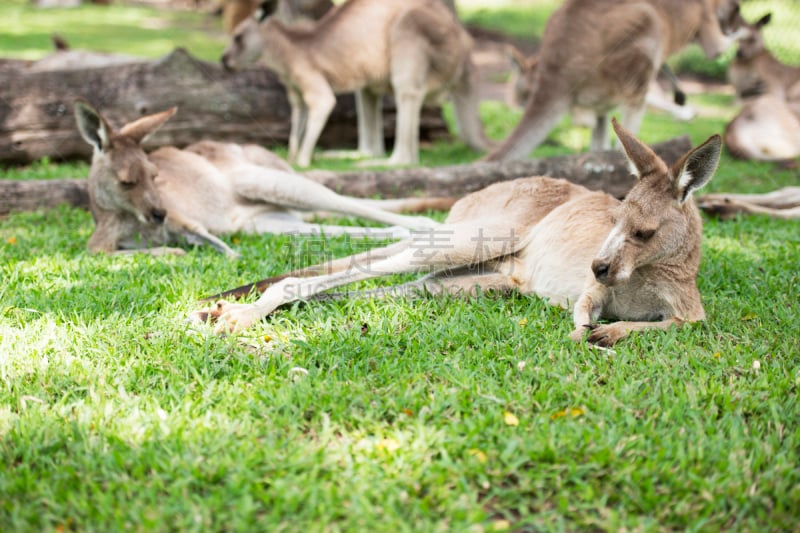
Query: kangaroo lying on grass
(415, 48)
(600, 54)
(768, 126)
(523, 68)
(634, 261)
(208, 189)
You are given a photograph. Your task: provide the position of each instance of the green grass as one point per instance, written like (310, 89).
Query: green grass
(432, 414)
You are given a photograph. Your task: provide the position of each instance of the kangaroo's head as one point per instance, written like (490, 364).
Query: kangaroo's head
(753, 44)
(522, 70)
(121, 178)
(247, 42)
(657, 223)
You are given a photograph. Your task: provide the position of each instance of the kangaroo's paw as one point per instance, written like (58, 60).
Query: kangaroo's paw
(605, 335)
(228, 317)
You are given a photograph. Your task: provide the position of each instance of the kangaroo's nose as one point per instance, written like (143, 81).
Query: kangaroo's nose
(158, 215)
(600, 270)
(226, 63)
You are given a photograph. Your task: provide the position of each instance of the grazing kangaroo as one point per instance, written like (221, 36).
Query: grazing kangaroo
(600, 54)
(518, 89)
(208, 189)
(768, 126)
(415, 48)
(634, 261)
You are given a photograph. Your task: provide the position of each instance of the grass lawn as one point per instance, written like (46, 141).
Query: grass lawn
(432, 414)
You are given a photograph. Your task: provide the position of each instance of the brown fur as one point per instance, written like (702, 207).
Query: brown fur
(523, 69)
(634, 262)
(208, 189)
(600, 54)
(768, 126)
(415, 48)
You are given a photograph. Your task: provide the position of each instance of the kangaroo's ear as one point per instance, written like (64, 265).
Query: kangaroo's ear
(140, 129)
(695, 169)
(642, 160)
(92, 126)
(516, 57)
(763, 21)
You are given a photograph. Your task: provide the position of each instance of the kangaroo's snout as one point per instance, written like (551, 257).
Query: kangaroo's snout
(226, 63)
(158, 215)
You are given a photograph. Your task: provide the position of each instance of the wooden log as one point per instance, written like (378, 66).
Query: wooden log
(36, 118)
(607, 171)
(602, 170)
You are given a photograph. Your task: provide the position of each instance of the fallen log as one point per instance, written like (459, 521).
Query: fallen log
(36, 118)
(606, 171)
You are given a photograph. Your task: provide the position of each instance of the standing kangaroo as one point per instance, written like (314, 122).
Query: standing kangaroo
(600, 54)
(208, 189)
(634, 261)
(768, 126)
(414, 48)
(518, 90)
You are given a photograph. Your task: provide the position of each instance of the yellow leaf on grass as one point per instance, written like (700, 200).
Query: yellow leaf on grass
(523, 322)
(510, 419)
(749, 316)
(478, 454)
(573, 412)
(717, 355)
(11, 240)
(501, 525)
(389, 445)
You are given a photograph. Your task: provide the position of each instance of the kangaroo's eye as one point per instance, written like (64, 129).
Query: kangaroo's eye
(643, 235)
(238, 39)
(127, 184)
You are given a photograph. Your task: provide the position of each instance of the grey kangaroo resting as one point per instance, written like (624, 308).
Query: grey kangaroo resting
(600, 54)
(208, 189)
(415, 48)
(634, 262)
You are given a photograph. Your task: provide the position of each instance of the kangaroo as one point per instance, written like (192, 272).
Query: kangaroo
(209, 189)
(518, 89)
(755, 71)
(634, 261)
(600, 54)
(415, 48)
(768, 126)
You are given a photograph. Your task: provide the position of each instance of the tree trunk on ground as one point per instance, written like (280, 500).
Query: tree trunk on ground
(606, 171)
(36, 117)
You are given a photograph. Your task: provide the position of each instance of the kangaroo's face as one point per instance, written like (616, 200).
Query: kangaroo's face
(246, 45)
(657, 223)
(753, 44)
(648, 226)
(123, 179)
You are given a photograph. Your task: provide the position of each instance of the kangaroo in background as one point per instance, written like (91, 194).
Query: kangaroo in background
(768, 126)
(518, 90)
(416, 49)
(600, 54)
(634, 262)
(210, 188)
